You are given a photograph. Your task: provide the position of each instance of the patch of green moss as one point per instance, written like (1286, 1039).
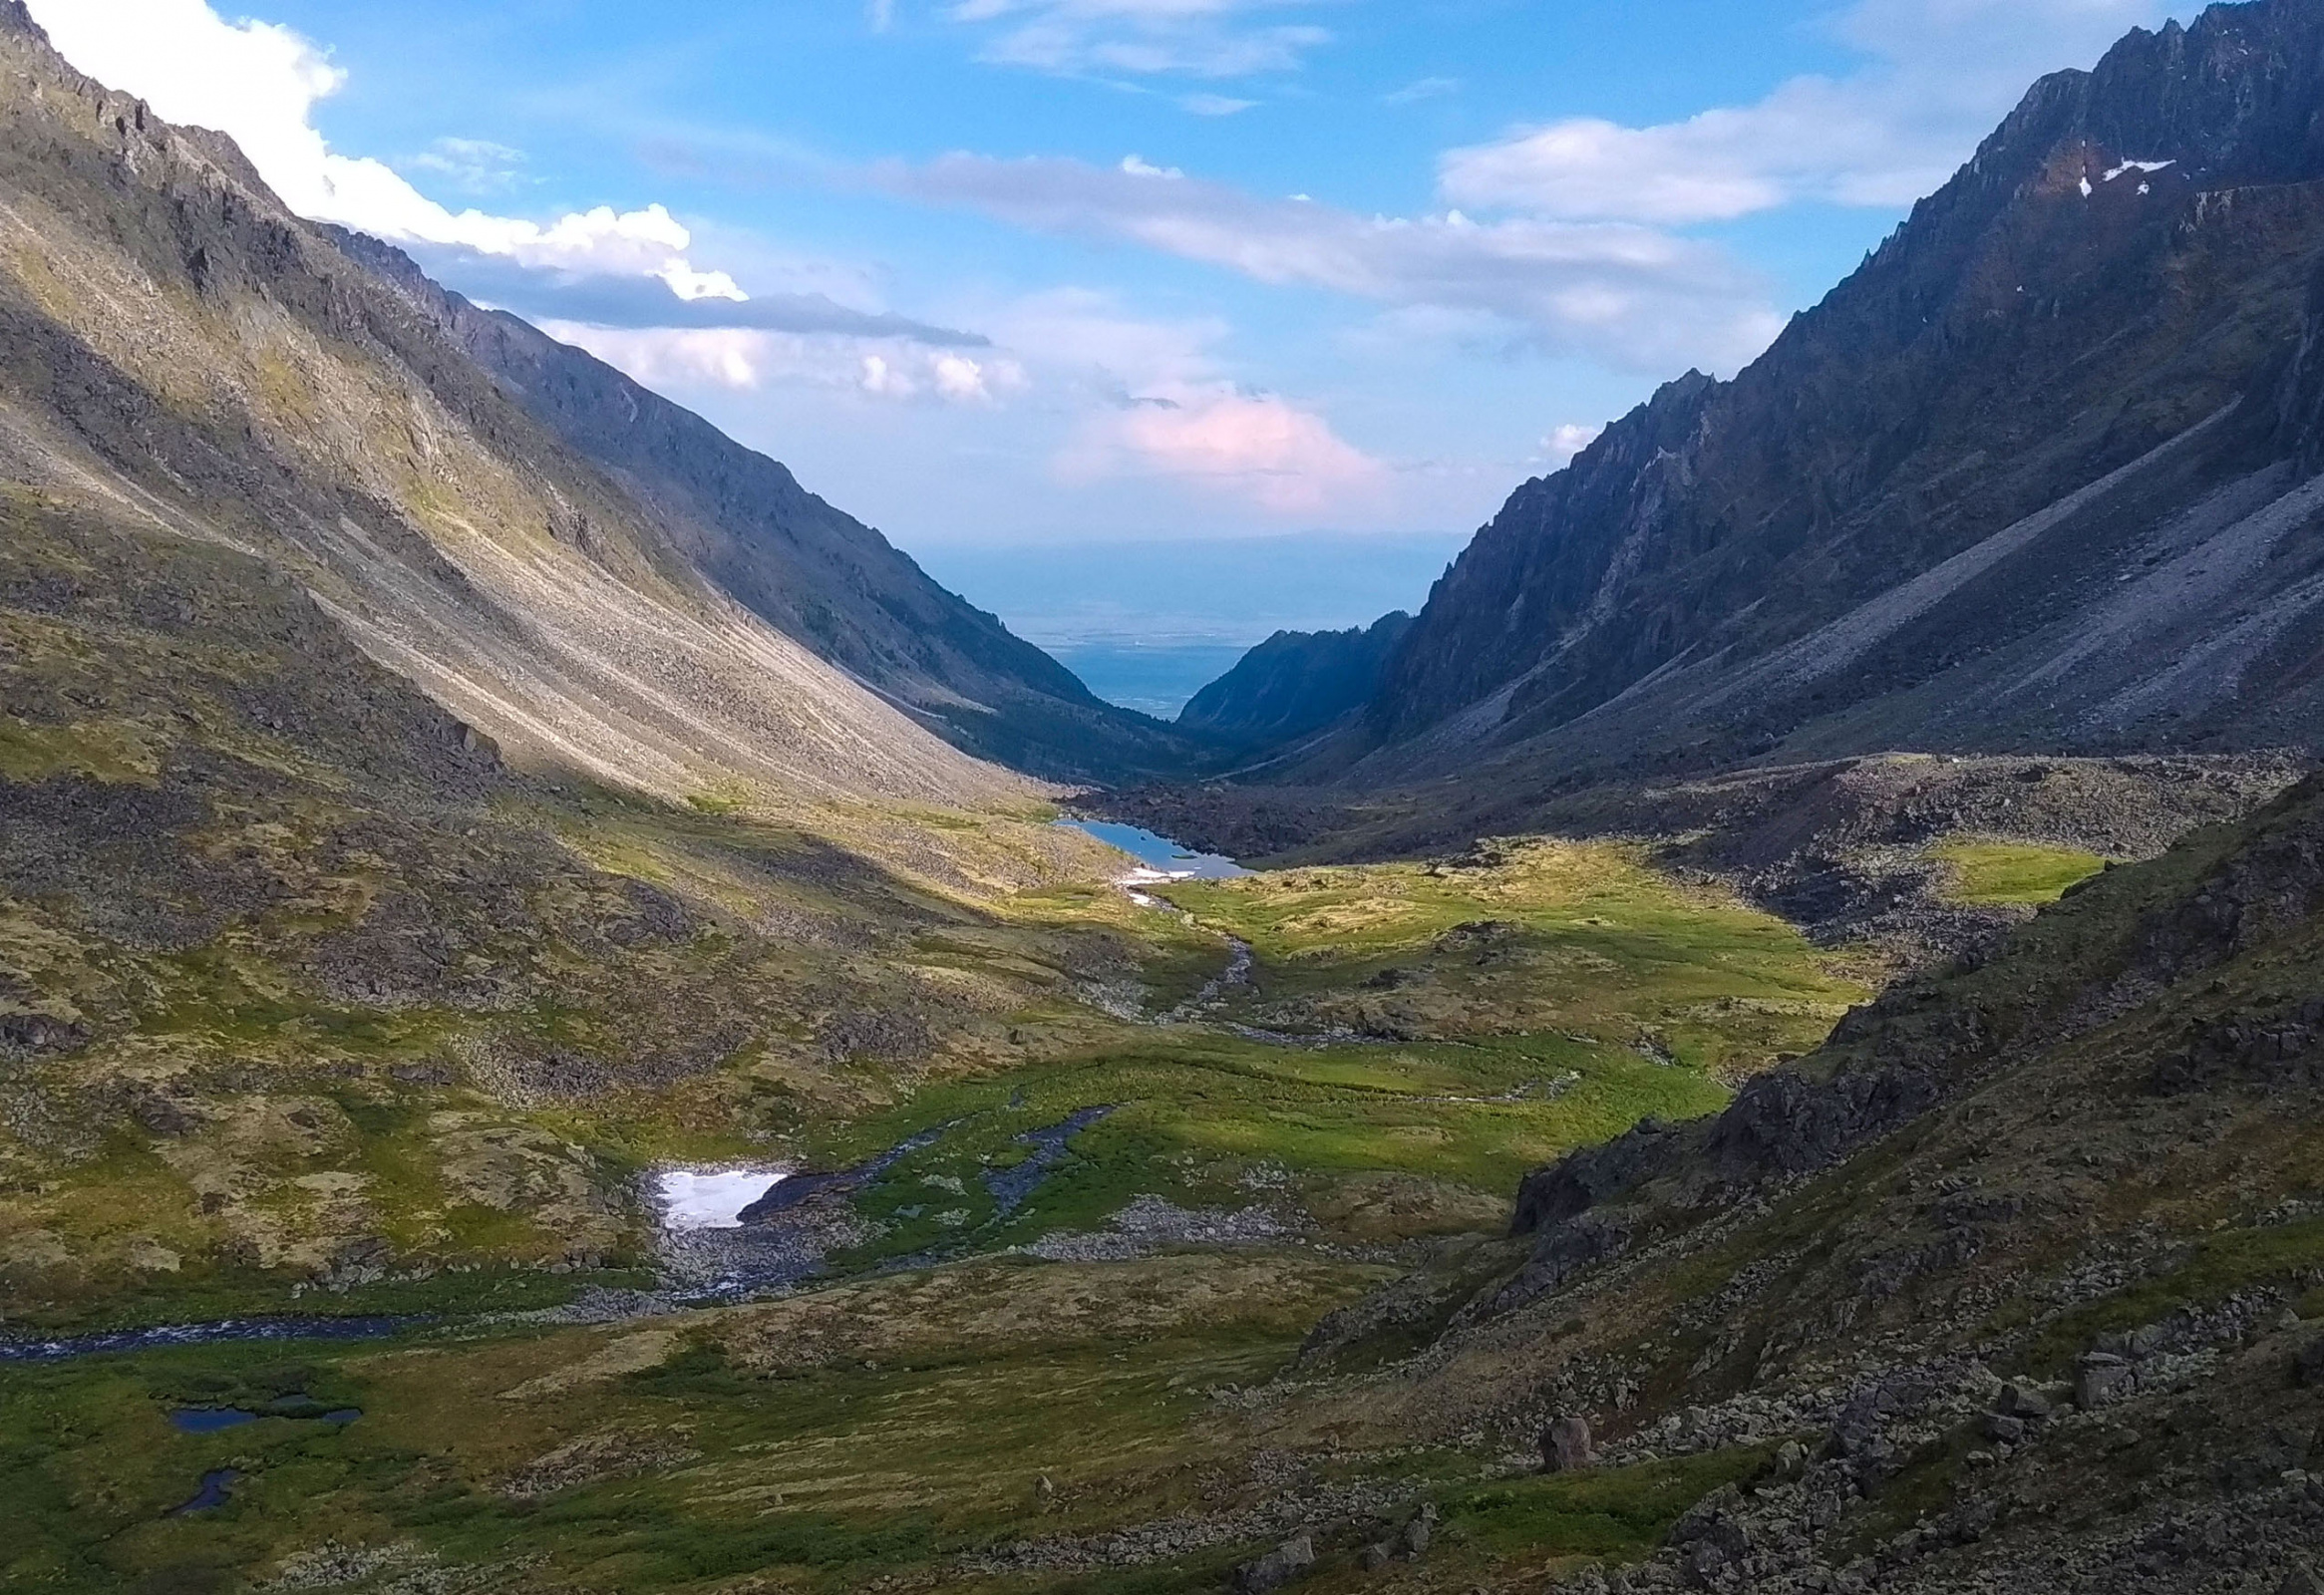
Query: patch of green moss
(112, 750)
(1616, 1513)
(1987, 872)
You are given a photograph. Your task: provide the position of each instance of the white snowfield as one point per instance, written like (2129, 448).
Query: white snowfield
(711, 1198)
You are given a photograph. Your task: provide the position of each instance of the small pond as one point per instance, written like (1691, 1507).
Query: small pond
(1163, 858)
(211, 1495)
(210, 1419)
(711, 1198)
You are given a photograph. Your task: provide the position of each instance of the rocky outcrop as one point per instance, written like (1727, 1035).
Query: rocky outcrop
(1926, 1042)
(1565, 1446)
(1287, 1563)
(2010, 1285)
(2278, 1051)
(1295, 683)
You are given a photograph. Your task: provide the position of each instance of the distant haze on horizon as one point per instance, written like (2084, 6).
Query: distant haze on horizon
(988, 273)
(1148, 624)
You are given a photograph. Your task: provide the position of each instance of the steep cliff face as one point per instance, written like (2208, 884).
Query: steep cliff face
(1295, 682)
(2032, 475)
(813, 572)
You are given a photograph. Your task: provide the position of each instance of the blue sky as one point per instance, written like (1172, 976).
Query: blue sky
(995, 272)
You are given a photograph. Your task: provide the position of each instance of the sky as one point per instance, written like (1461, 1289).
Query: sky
(992, 273)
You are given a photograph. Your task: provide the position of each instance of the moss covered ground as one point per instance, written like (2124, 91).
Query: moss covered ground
(1988, 870)
(899, 1427)
(706, 1469)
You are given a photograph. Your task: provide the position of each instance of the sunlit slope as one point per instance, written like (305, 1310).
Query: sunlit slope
(807, 569)
(178, 349)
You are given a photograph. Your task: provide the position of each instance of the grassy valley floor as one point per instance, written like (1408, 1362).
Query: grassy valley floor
(1117, 1184)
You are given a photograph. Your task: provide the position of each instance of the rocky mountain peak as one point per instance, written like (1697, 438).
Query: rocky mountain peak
(2126, 258)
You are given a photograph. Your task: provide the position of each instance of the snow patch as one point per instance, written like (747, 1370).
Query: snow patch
(2133, 166)
(711, 1198)
(2087, 190)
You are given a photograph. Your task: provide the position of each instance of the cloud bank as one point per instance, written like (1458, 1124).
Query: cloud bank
(1939, 75)
(1630, 295)
(1147, 38)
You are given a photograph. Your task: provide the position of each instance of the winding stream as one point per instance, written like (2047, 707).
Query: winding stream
(232, 1329)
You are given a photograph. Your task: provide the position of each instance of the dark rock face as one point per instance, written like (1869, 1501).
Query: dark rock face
(1565, 1250)
(815, 574)
(1293, 1560)
(1565, 1446)
(1577, 1182)
(1785, 1124)
(1781, 1124)
(2278, 1051)
(1986, 496)
(1296, 683)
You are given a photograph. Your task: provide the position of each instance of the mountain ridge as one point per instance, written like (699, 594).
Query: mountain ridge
(2130, 255)
(811, 572)
(184, 351)
(1296, 683)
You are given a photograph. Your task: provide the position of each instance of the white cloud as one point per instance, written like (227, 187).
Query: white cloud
(1940, 74)
(1153, 401)
(961, 379)
(664, 358)
(1639, 299)
(1563, 443)
(1425, 89)
(473, 165)
(259, 83)
(1134, 400)
(1256, 448)
(747, 359)
(1215, 105)
(1188, 38)
(884, 380)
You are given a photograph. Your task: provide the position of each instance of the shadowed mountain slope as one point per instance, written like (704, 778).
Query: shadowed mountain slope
(179, 352)
(2038, 477)
(813, 572)
(1296, 683)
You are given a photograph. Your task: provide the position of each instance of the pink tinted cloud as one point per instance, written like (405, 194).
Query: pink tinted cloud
(1256, 449)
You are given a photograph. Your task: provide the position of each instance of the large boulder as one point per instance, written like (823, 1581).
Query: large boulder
(1565, 1446)
(1293, 1560)
(2102, 1379)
